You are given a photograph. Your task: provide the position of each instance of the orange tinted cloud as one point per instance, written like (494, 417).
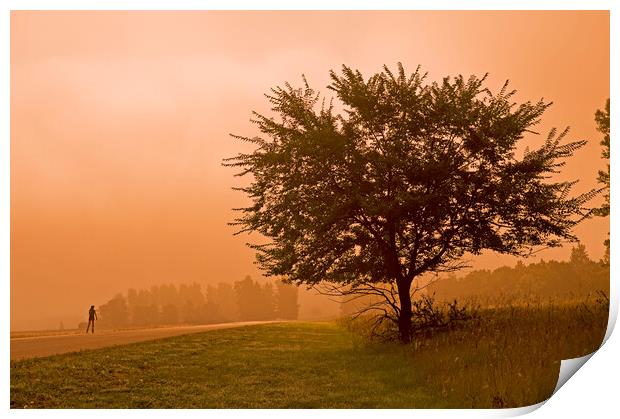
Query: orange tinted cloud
(119, 122)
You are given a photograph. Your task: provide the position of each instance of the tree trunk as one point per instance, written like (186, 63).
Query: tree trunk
(404, 319)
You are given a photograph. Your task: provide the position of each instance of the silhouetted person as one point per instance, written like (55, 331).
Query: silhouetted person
(92, 316)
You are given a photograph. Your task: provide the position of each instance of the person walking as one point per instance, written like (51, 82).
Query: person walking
(92, 316)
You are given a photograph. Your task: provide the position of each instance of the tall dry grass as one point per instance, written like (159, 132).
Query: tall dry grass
(508, 356)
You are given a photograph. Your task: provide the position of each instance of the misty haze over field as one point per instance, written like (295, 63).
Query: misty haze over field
(117, 136)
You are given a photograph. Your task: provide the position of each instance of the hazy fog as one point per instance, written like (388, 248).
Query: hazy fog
(119, 122)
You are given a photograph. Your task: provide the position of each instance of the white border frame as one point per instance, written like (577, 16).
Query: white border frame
(592, 392)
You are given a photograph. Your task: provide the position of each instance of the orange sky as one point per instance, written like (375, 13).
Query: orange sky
(119, 122)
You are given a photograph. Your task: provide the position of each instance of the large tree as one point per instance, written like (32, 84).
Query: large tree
(406, 179)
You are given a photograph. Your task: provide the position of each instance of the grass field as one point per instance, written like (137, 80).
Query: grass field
(506, 358)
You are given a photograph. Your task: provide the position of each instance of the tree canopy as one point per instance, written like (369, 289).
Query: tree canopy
(602, 125)
(406, 179)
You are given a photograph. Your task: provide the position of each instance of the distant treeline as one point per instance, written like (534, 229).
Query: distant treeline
(187, 304)
(571, 280)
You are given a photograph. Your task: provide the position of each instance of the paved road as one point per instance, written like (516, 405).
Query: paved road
(38, 346)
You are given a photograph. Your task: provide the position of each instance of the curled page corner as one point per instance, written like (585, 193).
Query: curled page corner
(568, 367)
(519, 411)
